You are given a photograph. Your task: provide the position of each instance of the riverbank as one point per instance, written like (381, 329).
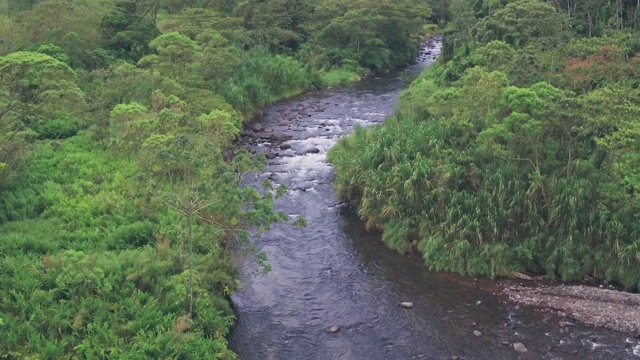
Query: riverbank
(599, 307)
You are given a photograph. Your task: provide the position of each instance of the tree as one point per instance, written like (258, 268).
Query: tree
(182, 164)
(519, 23)
(52, 20)
(33, 88)
(378, 35)
(177, 57)
(220, 60)
(127, 33)
(17, 6)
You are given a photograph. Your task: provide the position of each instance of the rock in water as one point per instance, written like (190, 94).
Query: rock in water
(519, 347)
(477, 333)
(334, 329)
(406, 304)
(280, 137)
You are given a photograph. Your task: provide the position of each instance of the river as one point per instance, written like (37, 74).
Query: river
(334, 273)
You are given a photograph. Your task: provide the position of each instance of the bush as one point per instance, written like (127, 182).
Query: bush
(58, 128)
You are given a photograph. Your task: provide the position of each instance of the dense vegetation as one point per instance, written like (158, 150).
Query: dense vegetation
(518, 150)
(120, 188)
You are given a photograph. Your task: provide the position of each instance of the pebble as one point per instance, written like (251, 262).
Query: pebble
(334, 329)
(406, 304)
(478, 302)
(477, 333)
(519, 347)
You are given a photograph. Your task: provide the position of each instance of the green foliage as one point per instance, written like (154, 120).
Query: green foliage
(58, 128)
(487, 178)
(519, 23)
(119, 214)
(128, 34)
(52, 20)
(262, 78)
(376, 35)
(33, 86)
(337, 77)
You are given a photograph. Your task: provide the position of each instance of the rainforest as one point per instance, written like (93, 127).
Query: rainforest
(123, 200)
(517, 151)
(122, 206)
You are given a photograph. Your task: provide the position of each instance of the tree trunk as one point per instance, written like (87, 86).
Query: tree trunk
(181, 224)
(190, 258)
(182, 235)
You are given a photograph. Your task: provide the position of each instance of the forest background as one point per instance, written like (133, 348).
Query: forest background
(121, 203)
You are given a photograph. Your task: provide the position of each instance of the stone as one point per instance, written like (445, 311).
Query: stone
(313, 151)
(256, 127)
(280, 137)
(519, 347)
(506, 343)
(285, 147)
(477, 332)
(522, 276)
(478, 302)
(406, 304)
(334, 329)
(268, 130)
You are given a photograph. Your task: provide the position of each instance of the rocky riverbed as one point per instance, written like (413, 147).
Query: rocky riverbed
(596, 306)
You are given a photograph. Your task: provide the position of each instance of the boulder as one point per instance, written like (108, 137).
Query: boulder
(256, 127)
(280, 137)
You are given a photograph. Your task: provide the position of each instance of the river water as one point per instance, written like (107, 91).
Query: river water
(334, 273)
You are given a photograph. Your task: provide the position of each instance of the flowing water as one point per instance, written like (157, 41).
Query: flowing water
(334, 273)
